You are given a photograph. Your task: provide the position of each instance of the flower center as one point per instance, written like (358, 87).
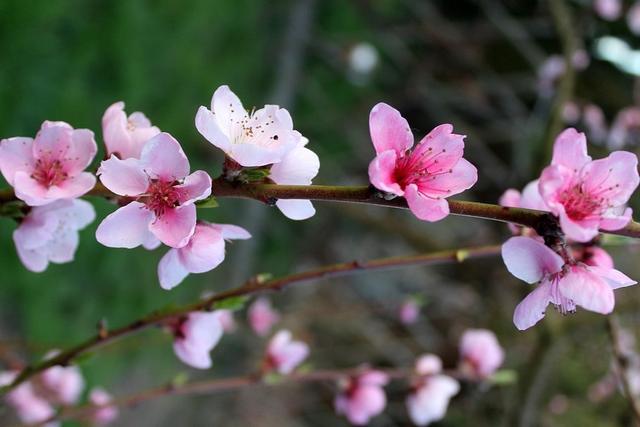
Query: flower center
(162, 195)
(580, 205)
(49, 172)
(563, 304)
(420, 167)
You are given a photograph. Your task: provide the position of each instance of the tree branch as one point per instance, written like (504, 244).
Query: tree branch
(252, 286)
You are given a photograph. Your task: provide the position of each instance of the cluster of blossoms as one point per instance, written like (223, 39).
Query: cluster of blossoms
(36, 401)
(612, 10)
(362, 395)
(624, 131)
(586, 195)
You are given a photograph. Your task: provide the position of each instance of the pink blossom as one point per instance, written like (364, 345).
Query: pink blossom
(204, 252)
(625, 129)
(426, 175)
(30, 408)
(259, 138)
(164, 192)
(105, 413)
(431, 391)
(298, 167)
(226, 319)
(51, 166)
(633, 18)
(262, 316)
(587, 195)
(563, 285)
(125, 136)
(593, 255)
(283, 354)
(480, 353)
(529, 199)
(409, 312)
(595, 122)
(609, 10)
(195, 336)
(61, 384)
(555, 66)
(362, 397)
(50, 233)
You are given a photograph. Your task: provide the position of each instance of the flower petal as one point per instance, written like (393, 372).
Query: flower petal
(587, 290)
(170, 270)
(123, 177)
(570, 150)
(28, 189)
(389, 130)
(228, 110)
(382, 173)
(232, 232)
(72, 187)
(82, 150)
(207, 125)
(616, 279)
(175, 226)
(612, 220)
(529, 260)
(298, 167)
(205, 250)
(458, 179)
(532, 308)
(125, 228)
(440, 149)
(16, 155)
(613, 178)
(163, 158)
(196, 186)
(296, 209)
(424, 207)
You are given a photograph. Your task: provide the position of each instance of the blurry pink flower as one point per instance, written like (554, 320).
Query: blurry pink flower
(633, 18)
(625, 129)
(588, 195)
(226, 320)
(565, 286)
(105, 413)
(480, 353)
(298, 167)
(593, 255)
(204, 252)
(362, 397)
(49, 167)
(165, 196)
(609, 10)
(283, 354)
(409, 311)
(554, 66)
(259, 138)
(426, 175)
(262, 316)
(30, 408)
(61, 384)
(571, 112)
(595, 122)
(125, 136)
(50, 233)
(431, 392)
(195, 336)
(529, 199)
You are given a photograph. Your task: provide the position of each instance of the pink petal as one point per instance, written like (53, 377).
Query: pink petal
(532, 308)
(298, 167)
(611, 222)
(34, 259)
(440, 149)
(114, 131)
(207, 125)
(430, 402)
(196, 186)
(201, 331)
(428, 364)
(531, 198)
(72, 187)
(366, 403)
(389, 130)
(65, 247)
(123, 177)
(29, 190)
(205, 250)
(373, 378)
(170, 270)
(52, 141)
(553, 181)
(232, 232)
(510, 198)
(613, 178)
(16, 155)
(164, 159)
(175, 226)
(194, 357)
(614, 278)
(257, 153)
(481, 349)
(462, 177)
(587, 290)
(382, 171)
(570, 150)
(296, 209)
(81, 152)
(424, 207)
(580, 231)
(228, 109)
(125, 228)
(529, 260)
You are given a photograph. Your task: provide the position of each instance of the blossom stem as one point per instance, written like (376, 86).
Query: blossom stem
(252, 286)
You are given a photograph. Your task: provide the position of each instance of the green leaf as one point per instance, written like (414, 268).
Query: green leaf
(254, 175)
(273, 378)
(209, 202)
(504, 377)
(180, 379)
(232, 303)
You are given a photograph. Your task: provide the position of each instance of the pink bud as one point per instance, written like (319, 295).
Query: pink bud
(105, 413)
(262, 316)
(480, 353)
(409, 312)
(284, 354)
(362, 397)
(125, 136)
(195, 336)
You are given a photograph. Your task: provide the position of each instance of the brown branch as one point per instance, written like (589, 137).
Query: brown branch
(622, 361)
(253, 286)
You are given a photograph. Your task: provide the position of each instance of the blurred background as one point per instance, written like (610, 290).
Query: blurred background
(506, 73)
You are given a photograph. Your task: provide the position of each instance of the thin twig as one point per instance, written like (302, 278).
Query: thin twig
(622, 361)
(253, 286)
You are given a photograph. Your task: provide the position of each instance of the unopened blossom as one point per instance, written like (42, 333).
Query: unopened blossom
(104, 413)
(61, 384)
(609, 10)
(125, 136)
(298, 167)
(362, 397)
(480, 353)
(633, 18)
(431, 391)
(164, 192)
(51, 166)
(587, 195)
(424, 175)
(409, 311)
(49, 233)
(29, 406)
(284, 354)
(195, 335)
(256, 138)
(204, 252)
(566, 286)
(262, 316)
(625, 130)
